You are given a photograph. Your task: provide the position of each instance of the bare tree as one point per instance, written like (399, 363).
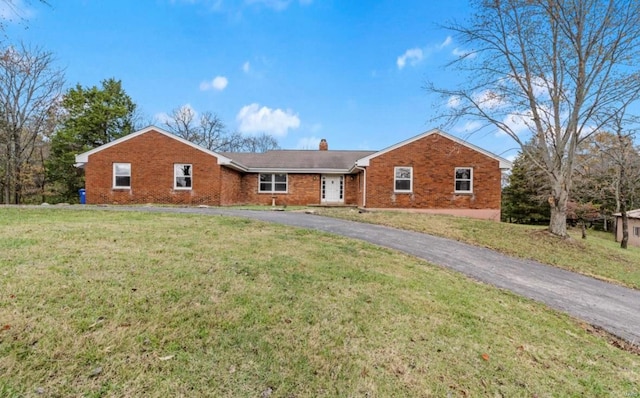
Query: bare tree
(182, 122)
(623, 153)
(212, 131)
(595, 175)
(30, 88)
(558, 70)
(608, 170)
(234, 142)
(208, 131)
(259, 143)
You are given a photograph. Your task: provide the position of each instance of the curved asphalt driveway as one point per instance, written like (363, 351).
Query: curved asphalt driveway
(611, 307)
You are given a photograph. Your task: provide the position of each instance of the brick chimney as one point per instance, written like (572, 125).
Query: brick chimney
(323, 145)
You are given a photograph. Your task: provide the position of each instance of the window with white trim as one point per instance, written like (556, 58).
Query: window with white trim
(122, 175)
(464, 180)
(636, 231)
(403, 179)
(276, 183)
(182, 176)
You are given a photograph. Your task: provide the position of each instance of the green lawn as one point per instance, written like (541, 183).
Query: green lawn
(598, 255)
(120, 304)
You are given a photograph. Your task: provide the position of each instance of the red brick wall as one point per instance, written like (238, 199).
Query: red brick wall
(434, 159)
(303, 189)
(231, 187)
(352, 191)
(152, 156)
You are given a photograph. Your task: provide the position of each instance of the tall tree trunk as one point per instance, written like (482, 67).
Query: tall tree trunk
(625, 221)
(623, 207)
(7, 180)
(43, 184)
(625, 230)
(7, 192)
(18, 190)
(17, 160)
(558, 203)
(558, 222)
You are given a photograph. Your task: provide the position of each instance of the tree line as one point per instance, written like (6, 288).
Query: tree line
(606, 182)
(42, 127)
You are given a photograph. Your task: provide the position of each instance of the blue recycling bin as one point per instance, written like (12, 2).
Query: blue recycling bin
(83, 196)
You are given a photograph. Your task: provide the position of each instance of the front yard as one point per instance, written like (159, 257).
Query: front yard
(120, 304)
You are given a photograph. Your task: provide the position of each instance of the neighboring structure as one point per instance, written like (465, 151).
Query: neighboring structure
(634, 227)
(432, 172)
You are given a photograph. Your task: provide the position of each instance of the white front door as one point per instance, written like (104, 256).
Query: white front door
(332, 189)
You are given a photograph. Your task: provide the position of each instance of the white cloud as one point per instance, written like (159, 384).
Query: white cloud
(489, 100)
(255, 119)
(470, 126)
(412, 55)
(246, 67)
(219, 83)
(308, 143)
(458, 52)
(540, 86)
(446, 42)
(454, 101)
(518, 123)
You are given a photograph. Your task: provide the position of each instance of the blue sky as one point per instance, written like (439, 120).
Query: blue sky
(352, 72)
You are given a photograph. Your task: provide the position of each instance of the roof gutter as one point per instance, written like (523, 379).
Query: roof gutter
(364, 185)
(296, 170)
(233, 164)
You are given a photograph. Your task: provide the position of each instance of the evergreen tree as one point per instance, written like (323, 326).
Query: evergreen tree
(92, 117)
(524, 200)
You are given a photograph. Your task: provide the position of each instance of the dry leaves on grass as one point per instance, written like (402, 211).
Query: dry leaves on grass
(611, 339)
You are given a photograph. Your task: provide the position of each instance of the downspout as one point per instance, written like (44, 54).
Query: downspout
(364, 186)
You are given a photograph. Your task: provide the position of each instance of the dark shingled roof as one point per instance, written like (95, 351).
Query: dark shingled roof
(298, 159)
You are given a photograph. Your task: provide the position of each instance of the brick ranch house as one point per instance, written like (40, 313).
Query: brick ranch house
(432, 172)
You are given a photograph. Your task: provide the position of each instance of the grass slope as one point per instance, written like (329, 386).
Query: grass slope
(109, 304)
(598, 255)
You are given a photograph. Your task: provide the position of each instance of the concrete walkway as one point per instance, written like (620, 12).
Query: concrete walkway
(614, 308)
